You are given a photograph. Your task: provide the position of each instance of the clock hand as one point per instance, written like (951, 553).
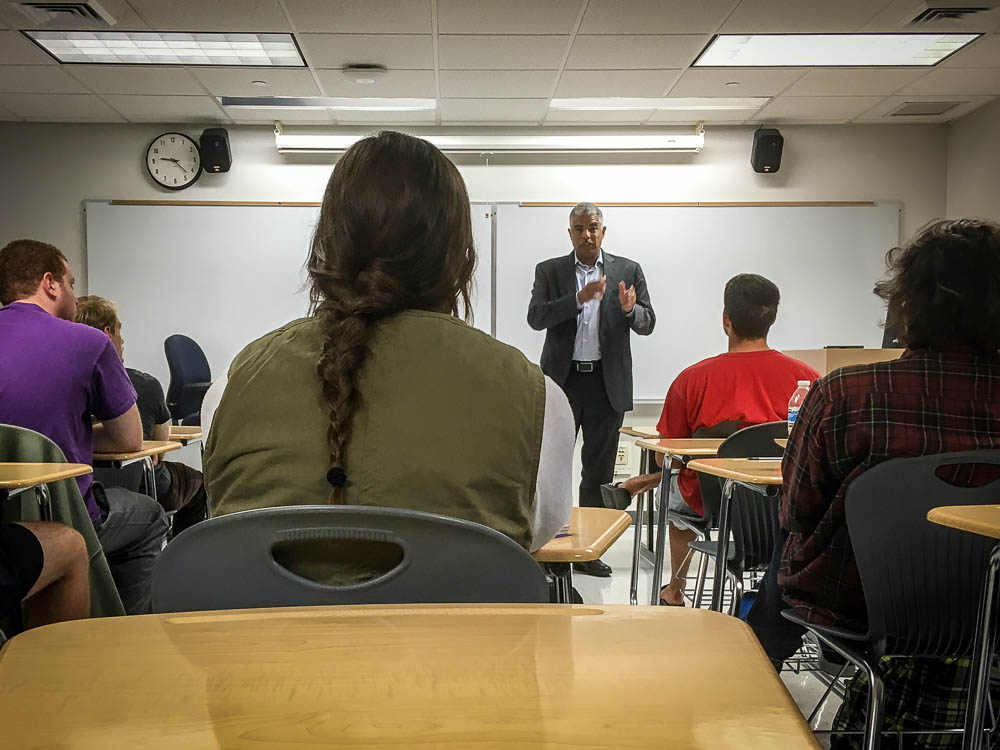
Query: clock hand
(176, 164)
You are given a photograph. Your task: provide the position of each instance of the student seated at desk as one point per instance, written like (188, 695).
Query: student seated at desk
(47, 566)
(749, 384)
(57, 377)
(178, 486)
(383, 396)
(942, 395)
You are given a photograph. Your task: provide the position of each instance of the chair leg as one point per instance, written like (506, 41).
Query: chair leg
(699, 586)
(876, 700)
(734, 608)
(822, 701)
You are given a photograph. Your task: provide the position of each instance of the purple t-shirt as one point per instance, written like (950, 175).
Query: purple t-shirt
(56, 375)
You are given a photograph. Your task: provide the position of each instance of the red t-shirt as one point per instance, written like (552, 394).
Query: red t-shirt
(745, 387)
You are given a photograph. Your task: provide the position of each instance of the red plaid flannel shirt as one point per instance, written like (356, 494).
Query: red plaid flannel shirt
(923, 403)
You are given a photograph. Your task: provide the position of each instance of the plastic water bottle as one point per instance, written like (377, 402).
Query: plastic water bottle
(795, 402)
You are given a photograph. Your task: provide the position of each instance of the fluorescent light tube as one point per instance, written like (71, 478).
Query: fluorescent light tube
(665, 103)
(830, 50)
(328, 102)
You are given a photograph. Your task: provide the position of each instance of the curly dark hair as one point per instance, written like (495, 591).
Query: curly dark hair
(394, 234)
(943, 286)
(751, 302)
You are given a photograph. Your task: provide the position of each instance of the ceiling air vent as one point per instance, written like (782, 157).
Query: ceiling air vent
(923, 109)
(84, 13)
(949, 13)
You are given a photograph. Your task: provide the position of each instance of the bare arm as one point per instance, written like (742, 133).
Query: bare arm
(119, 435)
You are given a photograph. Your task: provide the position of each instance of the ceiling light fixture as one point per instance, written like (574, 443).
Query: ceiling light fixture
(154, 48)
(667, 103)
(826, 50)
(363, 75)
(364, 104)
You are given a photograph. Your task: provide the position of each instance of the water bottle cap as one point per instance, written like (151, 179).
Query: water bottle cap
(804, 383)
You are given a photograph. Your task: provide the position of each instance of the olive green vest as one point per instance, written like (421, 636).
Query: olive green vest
(450, 421)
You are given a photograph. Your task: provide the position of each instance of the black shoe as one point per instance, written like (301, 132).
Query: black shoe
(593, 568)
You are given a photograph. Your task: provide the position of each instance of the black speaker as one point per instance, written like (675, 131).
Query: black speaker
(215, 154)
(766, 154)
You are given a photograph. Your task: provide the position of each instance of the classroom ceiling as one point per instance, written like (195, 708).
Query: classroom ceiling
(498, 63)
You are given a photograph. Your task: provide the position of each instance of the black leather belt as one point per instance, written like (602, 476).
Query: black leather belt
(586, 366)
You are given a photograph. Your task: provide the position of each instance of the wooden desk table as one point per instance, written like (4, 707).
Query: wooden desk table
(759, 475)
(17, 477)
(185, 434)
(591, 532)
(985, 521)
(149, 449)
(646, 466)
(391, 677)
(682, 449)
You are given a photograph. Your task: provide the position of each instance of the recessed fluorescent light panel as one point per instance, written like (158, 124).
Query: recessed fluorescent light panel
(825, 50)
(154, 48)
(328, 102)
(678, 104)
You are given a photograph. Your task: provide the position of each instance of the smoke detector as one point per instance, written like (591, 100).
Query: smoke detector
(364, 75)
(74, 14)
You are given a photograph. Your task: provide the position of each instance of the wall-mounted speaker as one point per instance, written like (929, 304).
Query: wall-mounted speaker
(765, 157)
(215, 154)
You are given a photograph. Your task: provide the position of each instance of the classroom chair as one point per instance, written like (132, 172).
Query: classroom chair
(229, 562)
(190, 378)
(922, 582)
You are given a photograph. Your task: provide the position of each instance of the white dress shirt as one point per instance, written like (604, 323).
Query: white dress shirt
(587, 347)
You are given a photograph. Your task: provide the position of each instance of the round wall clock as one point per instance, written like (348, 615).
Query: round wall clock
(173, 161)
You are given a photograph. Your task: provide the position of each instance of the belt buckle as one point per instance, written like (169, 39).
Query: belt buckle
(584, 366)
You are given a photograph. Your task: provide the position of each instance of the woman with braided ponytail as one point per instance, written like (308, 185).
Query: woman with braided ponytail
(383, 396)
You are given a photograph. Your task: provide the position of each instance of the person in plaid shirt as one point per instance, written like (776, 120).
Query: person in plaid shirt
(942, 395)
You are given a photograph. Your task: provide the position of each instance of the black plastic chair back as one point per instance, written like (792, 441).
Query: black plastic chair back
(711, 490)
(188, 364)
(230, 562)
(922, 582)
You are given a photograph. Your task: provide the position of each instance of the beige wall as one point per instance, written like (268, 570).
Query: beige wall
(49, 170)
(974, 164)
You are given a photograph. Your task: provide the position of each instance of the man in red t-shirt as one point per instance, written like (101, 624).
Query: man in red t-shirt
(749, 384)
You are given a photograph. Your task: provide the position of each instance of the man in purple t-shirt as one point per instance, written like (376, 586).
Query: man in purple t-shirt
(57, 378)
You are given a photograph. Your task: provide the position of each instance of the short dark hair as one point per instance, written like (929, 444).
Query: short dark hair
(23, 264)
(751, 302)
(943, 286)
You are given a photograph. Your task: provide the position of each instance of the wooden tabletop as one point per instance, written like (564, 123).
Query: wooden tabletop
(392, 677)
(591, 532)
(979, 519)
(647, 433)
(781, 442)
(185, 434)
(149, 448)
(682, 446)
(15, 476)
(753, 471)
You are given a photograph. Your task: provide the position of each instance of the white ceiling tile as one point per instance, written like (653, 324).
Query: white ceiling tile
(212, 15)
(284, 116)
(693, 116)
(381, 119)
(167, 108)
(598, 117)
(59, 108)
(654, 16)
(853, 81)
(239, 81)
(17, 49)
(982, 53)
(574, 83)
(879, 113)
(492, 110)
(125, 18)
(457, 52)
(813, 16)
(497, 84)
(361, 16)
(135, 79)
(407, 51)
(957, 81)
(38, 79)
(403, 83)
(510, 17)
(816, 108)
(712, 81)
(639, 52)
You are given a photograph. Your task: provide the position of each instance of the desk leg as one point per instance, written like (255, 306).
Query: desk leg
(661, 537)
(633, 597)
(651, 496)
(562, 575)
(44, 502)
(722, 550)
(982, 654)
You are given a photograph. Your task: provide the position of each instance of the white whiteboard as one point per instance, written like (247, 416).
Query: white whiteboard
(223, 275)
(824, 260)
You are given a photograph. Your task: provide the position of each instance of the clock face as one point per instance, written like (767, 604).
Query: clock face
(173, 161)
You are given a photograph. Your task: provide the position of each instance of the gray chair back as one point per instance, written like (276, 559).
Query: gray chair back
(922, 582)
(229, 562)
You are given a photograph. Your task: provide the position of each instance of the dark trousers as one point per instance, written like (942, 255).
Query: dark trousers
(780, 637)
(600, 423)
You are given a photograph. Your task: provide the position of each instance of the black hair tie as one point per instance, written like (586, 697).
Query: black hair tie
(336, 476)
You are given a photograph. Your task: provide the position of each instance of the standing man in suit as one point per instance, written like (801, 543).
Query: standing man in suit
(587, 302)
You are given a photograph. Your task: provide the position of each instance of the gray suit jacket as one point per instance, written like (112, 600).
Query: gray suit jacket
(554, 309)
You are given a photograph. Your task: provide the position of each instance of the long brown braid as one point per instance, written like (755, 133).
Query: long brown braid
(394, 234)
